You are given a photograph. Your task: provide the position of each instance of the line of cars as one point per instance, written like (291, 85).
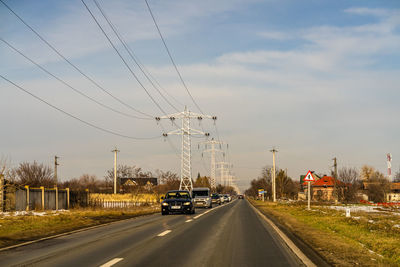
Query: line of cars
(182, 201)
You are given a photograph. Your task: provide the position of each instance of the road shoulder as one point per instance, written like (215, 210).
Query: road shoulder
(305, 253)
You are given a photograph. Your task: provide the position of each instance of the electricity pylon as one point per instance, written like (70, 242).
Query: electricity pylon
(212, 151)
(186, 131)
(224, 168)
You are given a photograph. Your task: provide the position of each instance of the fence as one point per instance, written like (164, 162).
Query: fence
(120, 204)
(20, 198)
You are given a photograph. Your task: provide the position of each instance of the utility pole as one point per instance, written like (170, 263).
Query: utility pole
(186, 132)
(335, 174)
(55, 171)
(273, 174)
(1, 192)
(212, 151)
(115, 151)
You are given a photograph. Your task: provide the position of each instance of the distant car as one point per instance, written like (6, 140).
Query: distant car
(222, 198)
(226, 198)
(216, 199)
(202, 197)
(240, 196)
(177, 201)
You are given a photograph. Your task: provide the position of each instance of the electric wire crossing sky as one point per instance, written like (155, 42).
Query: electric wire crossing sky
(185, 130)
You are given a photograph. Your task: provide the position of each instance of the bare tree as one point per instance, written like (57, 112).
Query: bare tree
(350, 185)
(33, 174)
(366, 172)
(378, 187)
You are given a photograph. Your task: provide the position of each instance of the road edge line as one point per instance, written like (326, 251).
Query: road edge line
(286, 239)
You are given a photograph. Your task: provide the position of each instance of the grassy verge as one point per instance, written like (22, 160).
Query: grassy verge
(19, 229)
(365, 239)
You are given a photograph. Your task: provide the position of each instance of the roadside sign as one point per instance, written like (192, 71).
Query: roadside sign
(309, 177)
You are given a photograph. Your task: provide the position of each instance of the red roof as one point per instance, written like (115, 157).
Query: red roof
(325, 182)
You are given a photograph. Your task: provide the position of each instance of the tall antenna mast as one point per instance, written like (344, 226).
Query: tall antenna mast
(186, 132)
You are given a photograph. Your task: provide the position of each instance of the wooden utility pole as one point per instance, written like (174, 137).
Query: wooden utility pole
(1, 192)
(335, 177)
(273, 175)
(115, 169)
(55, 171)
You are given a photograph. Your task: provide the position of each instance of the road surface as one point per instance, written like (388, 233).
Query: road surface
(228, 235)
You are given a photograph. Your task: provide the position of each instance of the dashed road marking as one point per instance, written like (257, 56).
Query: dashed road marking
(111, 262)
(198, 216)
(189, 220)
(164, 233)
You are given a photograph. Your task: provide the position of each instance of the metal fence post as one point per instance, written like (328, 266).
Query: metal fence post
(87, 197)
(1, 192)
(42, 188)
(56, 197)
(27, 197)
(67, 197)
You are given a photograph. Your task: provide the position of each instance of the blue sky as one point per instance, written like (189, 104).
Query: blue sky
(316, 79)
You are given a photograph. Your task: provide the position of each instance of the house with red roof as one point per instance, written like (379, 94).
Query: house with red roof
(323, 188)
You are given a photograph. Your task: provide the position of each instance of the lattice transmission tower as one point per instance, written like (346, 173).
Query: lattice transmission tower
(186, 132)
(212, 150)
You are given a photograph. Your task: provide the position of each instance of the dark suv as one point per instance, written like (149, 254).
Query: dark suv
(177, 201)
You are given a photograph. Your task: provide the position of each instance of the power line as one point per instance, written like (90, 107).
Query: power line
(71, 64)
(131, 54)
(75, 117)
(170, 56)
(68, 85)
(122, 58)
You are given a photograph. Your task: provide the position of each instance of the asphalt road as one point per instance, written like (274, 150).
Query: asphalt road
(228, 235)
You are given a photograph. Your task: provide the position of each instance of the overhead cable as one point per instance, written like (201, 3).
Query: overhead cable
(75, 117)
(122, 58)
(70, 86)
(73, 65)
(170, 56)
(131, 54)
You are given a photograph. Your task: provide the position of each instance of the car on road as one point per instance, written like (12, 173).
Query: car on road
(177, 201)
(226, 198)
(222, 198)
(216, 199)
(202, 197)
(240, 196)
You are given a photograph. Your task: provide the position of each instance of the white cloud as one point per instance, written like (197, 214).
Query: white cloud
(275, 35)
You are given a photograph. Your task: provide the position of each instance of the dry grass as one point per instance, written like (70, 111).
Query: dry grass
(145, 198)
(18, 229)
(365, 239)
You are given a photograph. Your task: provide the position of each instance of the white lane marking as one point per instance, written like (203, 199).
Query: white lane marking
(198, 216)
(164, 233)
(189, 220)
(111, 262)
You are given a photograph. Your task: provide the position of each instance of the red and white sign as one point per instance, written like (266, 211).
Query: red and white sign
(309, 177)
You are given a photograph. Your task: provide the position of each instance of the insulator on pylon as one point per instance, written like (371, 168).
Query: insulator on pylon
(158, 118)
(172, 118)
(199, 118)
(207, 134)
(214, 117)
(198, 146)
(201, 154)
(224, 154)
(165, 135)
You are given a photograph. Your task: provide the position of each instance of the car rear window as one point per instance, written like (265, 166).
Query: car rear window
(175, 195)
